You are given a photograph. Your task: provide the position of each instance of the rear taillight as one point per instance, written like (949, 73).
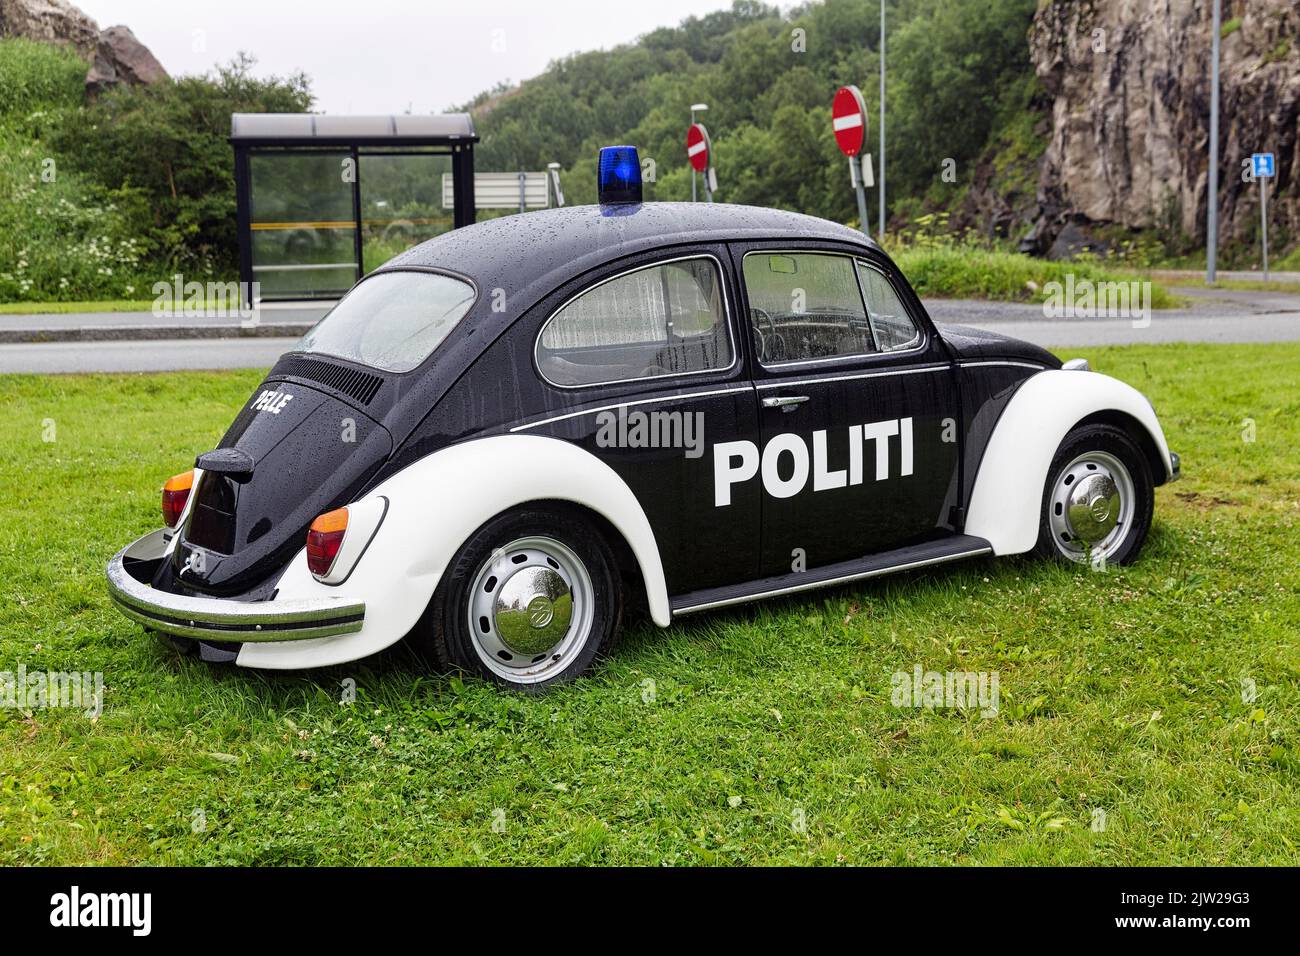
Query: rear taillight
(324, 540)
(174, 495)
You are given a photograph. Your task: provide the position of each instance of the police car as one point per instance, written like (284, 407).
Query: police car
(505, 436)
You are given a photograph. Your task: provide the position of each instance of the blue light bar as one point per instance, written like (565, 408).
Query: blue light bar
(619, 177)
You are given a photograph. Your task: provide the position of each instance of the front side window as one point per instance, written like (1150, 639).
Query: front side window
(889, 319)
(667, 319)
(392, 321)
(805, 306)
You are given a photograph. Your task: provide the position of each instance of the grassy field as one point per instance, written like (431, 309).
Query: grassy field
(1233, 285)
(945, 271)
(66, 308)
(764, 734)
(108, 305)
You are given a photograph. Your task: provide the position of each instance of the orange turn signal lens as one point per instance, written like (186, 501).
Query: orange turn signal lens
(324, 540)
(174, 495)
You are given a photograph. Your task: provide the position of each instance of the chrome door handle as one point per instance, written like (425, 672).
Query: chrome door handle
(787, 403)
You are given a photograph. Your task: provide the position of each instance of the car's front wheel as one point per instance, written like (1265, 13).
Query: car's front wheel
(533, 598)
(1098, 499)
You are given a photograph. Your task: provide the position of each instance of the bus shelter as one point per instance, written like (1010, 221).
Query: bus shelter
(322, 200)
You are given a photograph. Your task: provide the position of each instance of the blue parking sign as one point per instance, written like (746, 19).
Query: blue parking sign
(1261, 164)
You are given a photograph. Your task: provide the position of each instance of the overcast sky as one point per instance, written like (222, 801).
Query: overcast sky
(385, 56)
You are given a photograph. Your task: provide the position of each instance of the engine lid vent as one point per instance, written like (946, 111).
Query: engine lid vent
(352, 382)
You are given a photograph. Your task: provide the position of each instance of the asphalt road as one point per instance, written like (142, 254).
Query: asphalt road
(1215, 315)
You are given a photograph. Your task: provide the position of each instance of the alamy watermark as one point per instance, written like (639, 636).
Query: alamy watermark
(630, 428)
(208, 300)
(967, 690)
(38, 690)
(1085, 299)
(74, 908)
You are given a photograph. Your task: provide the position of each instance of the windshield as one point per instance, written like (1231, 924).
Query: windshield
(393, 320)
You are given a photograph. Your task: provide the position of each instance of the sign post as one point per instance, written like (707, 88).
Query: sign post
(881, 227)
(699, 151)
(849, 124)
(554, 170)
(696, 108)
(1262, 166)
(1212, 206)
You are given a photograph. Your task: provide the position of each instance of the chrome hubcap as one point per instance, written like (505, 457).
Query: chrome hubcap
(530, 609)
(531, 612)
(1091, 506)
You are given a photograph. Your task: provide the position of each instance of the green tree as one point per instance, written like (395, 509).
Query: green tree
(169, 141)
(951, 65)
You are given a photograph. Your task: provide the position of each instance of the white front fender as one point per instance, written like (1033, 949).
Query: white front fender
(434, 506)
(1008, 492)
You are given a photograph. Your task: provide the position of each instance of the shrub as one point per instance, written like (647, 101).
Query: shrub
(63, 238)
(962, 271)
(169, 142)
(38, 76)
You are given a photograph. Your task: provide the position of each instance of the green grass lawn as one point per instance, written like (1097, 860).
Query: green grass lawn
(764, 734)
(1233, 285)
(968, 272)
(65, 308)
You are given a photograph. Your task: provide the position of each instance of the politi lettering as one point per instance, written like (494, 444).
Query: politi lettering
(735, 462)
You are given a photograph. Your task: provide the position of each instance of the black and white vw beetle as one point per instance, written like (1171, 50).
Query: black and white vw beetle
(501, 437)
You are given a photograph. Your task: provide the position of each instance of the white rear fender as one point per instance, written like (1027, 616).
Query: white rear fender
(434, 506)
(1008, 492)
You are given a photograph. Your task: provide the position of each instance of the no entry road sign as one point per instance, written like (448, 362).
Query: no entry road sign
(849, 120)
(1261, 164)
(849, 124)
(697, 147)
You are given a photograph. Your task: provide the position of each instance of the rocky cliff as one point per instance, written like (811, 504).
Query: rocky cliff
(1129, 82)
(114, 54)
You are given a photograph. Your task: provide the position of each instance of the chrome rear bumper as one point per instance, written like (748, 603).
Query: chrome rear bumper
(219, 619)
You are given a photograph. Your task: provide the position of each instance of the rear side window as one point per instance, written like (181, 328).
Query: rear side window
(392, 321)
(889, 319)
(666, 319)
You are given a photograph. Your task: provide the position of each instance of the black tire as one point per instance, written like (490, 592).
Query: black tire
(1106, 441)
(444, 632)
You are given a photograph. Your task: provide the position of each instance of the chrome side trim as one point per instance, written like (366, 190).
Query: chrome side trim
(661, 399)
(875, 572)
(222, 619)
(1035, 367)
(790, 382)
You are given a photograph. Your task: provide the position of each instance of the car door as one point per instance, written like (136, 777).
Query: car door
(858, 412)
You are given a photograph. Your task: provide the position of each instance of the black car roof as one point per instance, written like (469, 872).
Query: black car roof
(530, 255)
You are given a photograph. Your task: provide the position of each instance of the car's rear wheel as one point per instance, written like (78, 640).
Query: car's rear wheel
(533, 598)
(1098, 499)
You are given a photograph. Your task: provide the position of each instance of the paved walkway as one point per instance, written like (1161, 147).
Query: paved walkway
(159, 355)
(141, 326)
